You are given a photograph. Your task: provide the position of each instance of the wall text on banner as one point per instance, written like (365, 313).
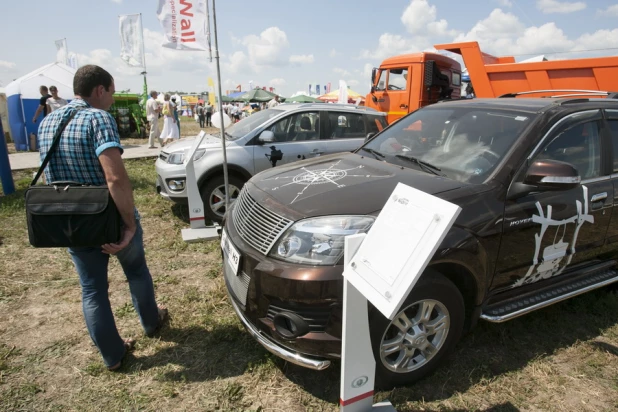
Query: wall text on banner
(184, 23)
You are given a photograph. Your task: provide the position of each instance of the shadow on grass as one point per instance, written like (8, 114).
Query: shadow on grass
(490, 351)
(202, 355)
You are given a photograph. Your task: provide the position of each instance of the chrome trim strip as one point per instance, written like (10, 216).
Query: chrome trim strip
(272, 347)
(595, 179)
(509, 316)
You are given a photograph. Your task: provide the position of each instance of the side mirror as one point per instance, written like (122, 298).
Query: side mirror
(373, 88)
(373, 76)
(546, 175)
(266, 136)
(369, 136)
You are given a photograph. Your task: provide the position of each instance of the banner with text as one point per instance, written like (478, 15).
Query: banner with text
(132, 40)
(62, 54)
(185, 24)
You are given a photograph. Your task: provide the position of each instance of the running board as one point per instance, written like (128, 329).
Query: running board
(592, 278)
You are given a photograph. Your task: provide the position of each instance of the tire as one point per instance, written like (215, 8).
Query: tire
(401, 364)
(213, 196)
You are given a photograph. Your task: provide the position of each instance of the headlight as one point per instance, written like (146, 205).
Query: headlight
(177, 158)
(320, 240)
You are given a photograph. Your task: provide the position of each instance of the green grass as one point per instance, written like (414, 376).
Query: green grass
(564, 357)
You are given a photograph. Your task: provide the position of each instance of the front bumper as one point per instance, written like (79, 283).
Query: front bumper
(274, 348)
(167, 173)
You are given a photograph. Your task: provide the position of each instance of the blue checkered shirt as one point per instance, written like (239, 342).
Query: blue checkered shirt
(88, 134)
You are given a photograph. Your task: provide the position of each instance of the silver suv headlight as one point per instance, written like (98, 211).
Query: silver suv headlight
(319, 240)
(178, 158)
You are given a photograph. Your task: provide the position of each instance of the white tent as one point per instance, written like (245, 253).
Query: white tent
(23, 98)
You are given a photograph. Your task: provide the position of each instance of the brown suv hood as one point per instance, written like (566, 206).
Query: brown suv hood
(342, 183)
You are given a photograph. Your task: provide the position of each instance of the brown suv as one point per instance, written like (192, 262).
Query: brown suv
(535, 181)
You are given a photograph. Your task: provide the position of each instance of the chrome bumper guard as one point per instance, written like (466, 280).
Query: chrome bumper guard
(275, 349)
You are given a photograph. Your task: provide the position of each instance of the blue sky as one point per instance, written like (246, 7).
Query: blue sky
(289, 44)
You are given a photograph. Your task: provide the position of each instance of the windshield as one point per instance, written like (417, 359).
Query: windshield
(238, 130)
(462, 143)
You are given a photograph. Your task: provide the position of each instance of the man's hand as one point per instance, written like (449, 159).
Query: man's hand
(125, 239)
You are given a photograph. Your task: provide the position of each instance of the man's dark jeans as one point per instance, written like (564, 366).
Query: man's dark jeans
(202, 119)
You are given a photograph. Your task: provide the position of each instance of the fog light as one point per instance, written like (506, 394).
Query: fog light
(290, 325)
(176, 184)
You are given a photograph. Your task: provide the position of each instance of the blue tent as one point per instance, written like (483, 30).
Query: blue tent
(23, 99)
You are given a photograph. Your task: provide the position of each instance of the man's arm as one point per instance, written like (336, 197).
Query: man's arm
(121, 191)
(37, 113)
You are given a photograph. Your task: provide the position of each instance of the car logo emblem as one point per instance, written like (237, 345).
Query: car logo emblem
(360, 381)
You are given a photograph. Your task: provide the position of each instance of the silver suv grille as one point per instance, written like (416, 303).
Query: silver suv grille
(257, 225)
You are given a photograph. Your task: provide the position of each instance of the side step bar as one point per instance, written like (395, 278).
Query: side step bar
(592, 278)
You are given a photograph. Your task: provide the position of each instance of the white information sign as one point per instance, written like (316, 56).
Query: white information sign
(399, 246)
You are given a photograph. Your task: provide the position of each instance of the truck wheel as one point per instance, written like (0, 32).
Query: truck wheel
(213, 195)
(420, 336)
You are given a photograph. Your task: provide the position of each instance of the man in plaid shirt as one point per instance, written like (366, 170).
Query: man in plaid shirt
(89, 153)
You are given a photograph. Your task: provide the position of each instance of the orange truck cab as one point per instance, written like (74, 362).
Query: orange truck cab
(405, 83)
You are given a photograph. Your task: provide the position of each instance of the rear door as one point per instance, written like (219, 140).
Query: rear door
(612, 122)
(297, 137)
(345, 131)
(546, 232)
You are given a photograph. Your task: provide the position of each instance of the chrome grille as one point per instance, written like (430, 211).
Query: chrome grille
(257, 225)
(163, 156)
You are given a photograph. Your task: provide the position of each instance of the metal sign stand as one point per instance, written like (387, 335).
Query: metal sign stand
(358, 365)
(198, 230)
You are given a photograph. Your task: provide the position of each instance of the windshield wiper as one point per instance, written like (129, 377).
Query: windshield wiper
(373, 152)
(427, 167)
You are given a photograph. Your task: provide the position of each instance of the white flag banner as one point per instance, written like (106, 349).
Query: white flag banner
(62, 54)
(73, 60)
(343, 92)
(131, 40)
(185, 24)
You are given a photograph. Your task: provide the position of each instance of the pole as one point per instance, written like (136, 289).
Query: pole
(225, 178)
(8, 186)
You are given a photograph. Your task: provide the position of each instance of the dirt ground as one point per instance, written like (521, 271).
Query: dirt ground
(562, 358)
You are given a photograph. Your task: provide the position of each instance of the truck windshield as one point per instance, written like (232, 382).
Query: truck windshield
(238, 130)
(465, 143)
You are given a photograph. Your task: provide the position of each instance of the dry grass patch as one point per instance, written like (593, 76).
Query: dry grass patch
(562, 358)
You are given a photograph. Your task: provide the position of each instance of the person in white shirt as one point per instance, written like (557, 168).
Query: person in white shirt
(152, 115)
(55, 102)
(274, 102)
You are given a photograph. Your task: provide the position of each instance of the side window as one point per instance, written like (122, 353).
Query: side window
(578, 145)
(375, 124)
(613, 127)
(397, 79)
(382, 80)
(297, 127)
(346, 125)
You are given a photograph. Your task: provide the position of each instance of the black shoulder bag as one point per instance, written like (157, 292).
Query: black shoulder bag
(70, 214)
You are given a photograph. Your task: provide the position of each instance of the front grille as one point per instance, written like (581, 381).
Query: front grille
(257, 225)
(316, 316)
(163, 156)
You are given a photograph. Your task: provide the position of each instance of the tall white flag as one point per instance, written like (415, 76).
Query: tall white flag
(185, 24)
(62, 54)
(132, 40)
(73, 60)
(343, 92)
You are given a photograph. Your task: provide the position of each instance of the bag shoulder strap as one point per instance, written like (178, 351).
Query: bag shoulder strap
(54, 145)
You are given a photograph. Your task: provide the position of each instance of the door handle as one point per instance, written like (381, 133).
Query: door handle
(598, 197)
(403, 106)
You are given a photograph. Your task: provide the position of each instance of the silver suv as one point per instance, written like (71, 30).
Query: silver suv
(268, 138)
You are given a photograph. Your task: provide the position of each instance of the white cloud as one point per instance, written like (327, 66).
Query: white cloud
(278, 82)
(333, 53)
(419, 17)
(610, 11)
(117, 1)
(504, 3)
(267, 48)
(6, 65)
(390, 45)
(301, 58)
(555, 6)
(340, 71)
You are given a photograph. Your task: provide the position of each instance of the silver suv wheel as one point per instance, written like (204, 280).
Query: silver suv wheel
(216, 199)
(414, 336)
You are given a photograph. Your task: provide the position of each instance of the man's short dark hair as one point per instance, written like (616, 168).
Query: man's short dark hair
(43, 88)
(88, 77)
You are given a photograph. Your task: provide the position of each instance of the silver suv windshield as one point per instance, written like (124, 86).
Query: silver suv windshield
(462, 143)
(238, 130)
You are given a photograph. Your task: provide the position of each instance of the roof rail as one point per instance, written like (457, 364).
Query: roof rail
(347, 105)
(579, 93)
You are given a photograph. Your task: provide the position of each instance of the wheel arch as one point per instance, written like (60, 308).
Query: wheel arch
(233, 170)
